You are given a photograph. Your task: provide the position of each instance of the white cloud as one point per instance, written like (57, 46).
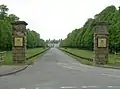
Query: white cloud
(56, 18)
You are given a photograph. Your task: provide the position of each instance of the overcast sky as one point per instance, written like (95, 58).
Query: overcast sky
(54, 19)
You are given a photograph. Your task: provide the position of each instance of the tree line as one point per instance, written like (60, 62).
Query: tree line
(83, 37)
(33, 38)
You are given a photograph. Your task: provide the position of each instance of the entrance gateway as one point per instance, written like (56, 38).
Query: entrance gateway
(19, 42)
(101, 43)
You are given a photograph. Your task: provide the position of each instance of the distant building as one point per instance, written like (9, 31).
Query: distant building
(50, 44)
(57, 44)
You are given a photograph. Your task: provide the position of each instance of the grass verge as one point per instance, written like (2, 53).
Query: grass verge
(31, 55)
(85, 57)
(32, 59)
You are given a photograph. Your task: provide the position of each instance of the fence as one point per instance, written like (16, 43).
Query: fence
(2, 55)
(117, 57)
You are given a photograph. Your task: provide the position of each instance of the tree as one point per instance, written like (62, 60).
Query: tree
(33, 38)
(83, 38)
(3, 11)
(13, 18)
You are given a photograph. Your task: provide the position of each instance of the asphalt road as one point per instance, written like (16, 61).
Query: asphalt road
(56, 70)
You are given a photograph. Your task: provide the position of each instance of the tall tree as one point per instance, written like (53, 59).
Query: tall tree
(33, 38)
(3, 11)
(84, 36)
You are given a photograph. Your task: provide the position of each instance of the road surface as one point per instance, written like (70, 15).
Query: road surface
(56, 70)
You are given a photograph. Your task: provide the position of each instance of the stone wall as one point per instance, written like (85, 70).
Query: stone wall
(19, 31)
(100, 53)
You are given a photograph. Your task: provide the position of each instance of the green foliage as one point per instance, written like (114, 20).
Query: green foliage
(12, 18)
(5, 35)
(3, 11)
(83, 37)
(33, 38)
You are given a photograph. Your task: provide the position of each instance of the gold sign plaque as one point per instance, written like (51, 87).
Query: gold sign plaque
(18, 41)
(102, 42)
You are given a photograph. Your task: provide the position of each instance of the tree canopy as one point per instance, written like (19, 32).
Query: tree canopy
(33, 38)
(83, 37)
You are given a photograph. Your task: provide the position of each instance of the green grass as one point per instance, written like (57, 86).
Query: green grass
(90, 54)
(83, 61)
(83, 53)
(8, 57)
(30, 52)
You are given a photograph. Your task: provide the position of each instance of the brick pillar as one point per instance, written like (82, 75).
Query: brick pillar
(19, 42)
(101, 43)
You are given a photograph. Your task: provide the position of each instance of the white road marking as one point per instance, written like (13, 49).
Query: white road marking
(110, 75)
(84, 86)
(92, 86)
(22, 88)
(116, 87)
(43, 88)
(68, 87)
(37, 88)
(110, 86)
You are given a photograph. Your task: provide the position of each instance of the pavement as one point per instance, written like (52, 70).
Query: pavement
(8, 70)
(56, 70)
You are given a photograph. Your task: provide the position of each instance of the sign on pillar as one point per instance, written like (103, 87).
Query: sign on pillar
(19, 41)
(101, 43)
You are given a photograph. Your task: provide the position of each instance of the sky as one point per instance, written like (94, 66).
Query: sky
(54, 19)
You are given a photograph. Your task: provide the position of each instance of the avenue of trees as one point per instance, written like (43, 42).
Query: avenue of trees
(83, 37)
(33, 38)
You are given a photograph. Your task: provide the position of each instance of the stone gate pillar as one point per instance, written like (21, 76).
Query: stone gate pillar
(19, 41)
(100, 43)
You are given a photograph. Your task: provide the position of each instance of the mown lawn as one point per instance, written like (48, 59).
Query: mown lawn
(30, 52)
(90, 54)
(83, 53)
